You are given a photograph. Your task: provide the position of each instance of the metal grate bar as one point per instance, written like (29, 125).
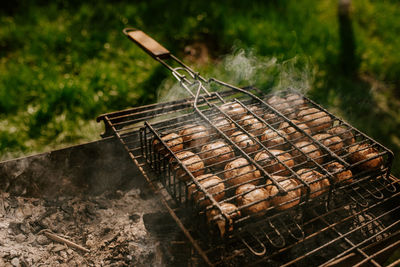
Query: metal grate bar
(366, 188)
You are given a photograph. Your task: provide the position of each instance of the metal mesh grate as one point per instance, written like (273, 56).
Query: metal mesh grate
(322, 225)
(277, 153)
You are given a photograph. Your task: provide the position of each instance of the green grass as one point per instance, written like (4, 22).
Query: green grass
(62, 63)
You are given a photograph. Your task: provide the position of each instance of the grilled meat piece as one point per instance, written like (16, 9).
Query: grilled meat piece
(271, 118)
(278, 103)
(230, 210)
(224, 125)
(252, 124)
(334, 143)
(257, 110)
(296, 101)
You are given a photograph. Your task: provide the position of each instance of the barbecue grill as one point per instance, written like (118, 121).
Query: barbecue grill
(350, 222)
(337, 223)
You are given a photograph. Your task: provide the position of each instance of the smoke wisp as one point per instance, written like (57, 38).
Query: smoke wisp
(246, 68)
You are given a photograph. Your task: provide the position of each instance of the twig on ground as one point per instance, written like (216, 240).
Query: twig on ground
(62, 240)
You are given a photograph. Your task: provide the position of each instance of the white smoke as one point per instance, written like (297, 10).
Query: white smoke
(295, 73)
(170, 91)
(245, 68)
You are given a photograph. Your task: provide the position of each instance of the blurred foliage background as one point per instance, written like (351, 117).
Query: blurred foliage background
(62, 63)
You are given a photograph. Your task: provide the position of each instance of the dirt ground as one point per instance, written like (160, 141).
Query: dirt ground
(111, 226)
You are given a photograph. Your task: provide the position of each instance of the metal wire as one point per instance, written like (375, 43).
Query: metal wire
(380, 183)
(366, 190)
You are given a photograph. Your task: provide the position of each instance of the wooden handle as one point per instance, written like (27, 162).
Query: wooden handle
(147, 43)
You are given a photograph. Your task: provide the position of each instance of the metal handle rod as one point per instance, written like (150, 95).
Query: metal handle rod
(160, 53)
